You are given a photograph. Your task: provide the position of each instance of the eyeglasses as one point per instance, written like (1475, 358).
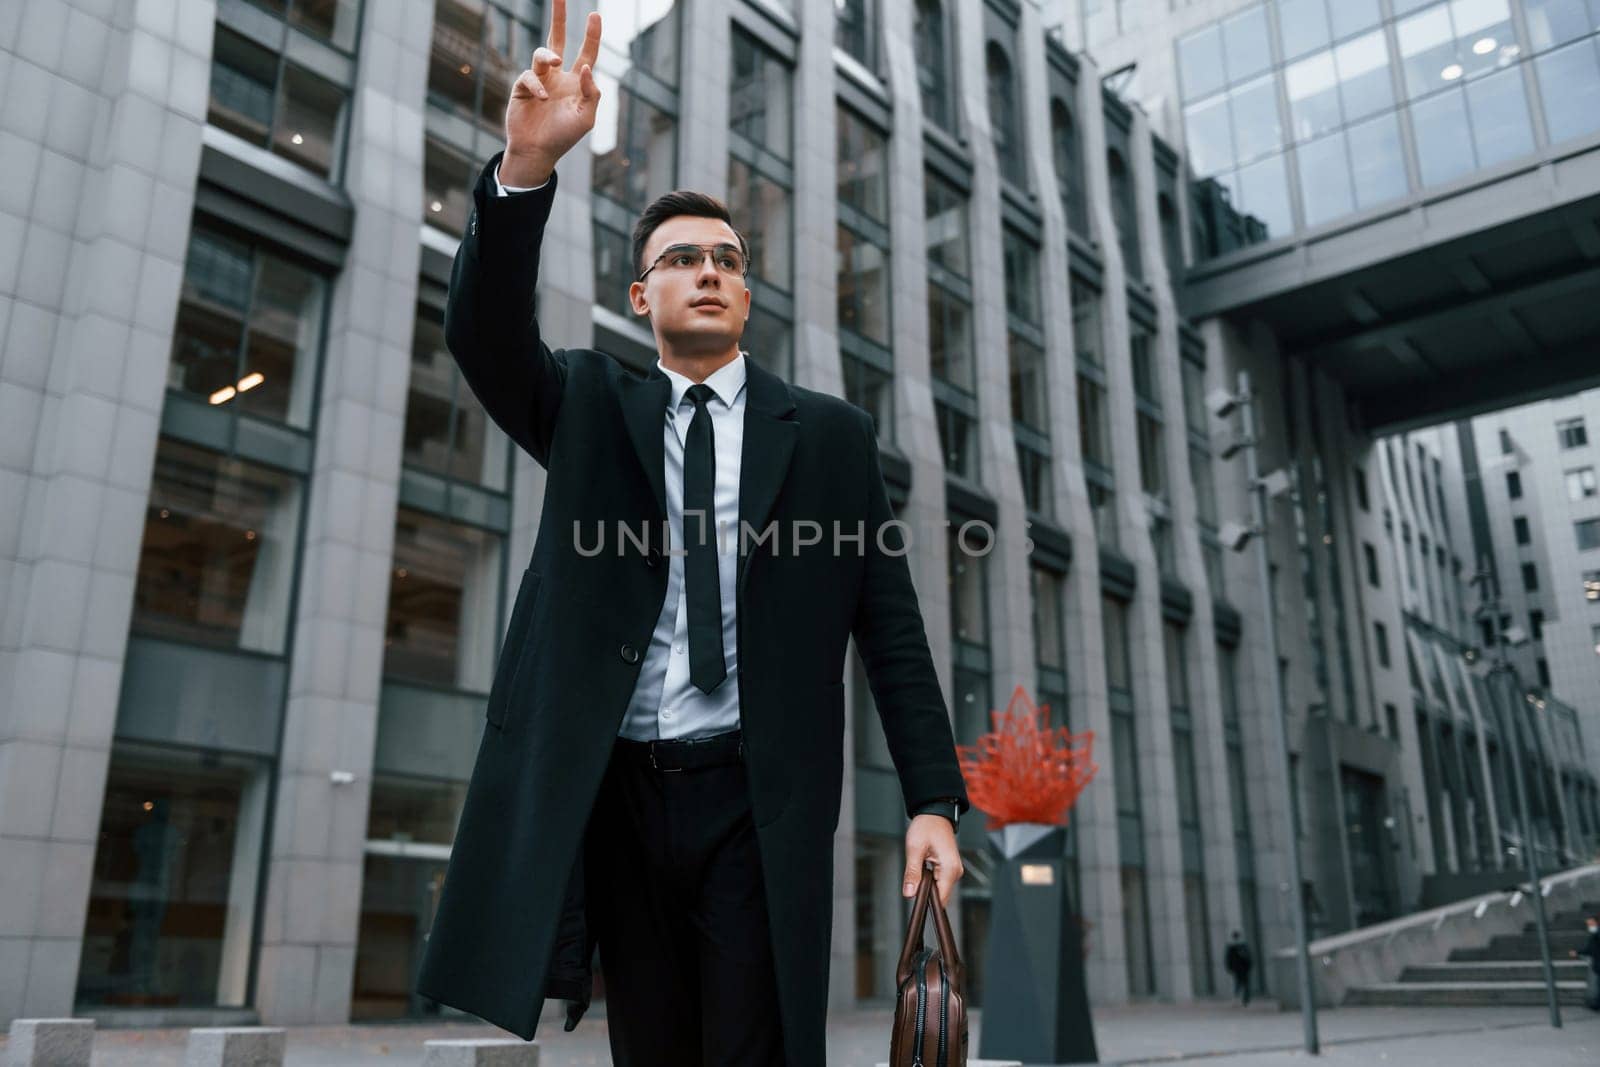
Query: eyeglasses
(728, 258)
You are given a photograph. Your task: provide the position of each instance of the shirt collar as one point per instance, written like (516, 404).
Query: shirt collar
(726, 381)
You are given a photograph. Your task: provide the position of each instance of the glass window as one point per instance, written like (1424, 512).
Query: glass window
(636, 153)
(172, 897)
(855, 30)
(249, 330)
(217, 562)
(1256, 127)
(761, 211)
(1119, 663)
(332, 20)
(1094, 428)
(1572, 433)
(1312, 85)
(968, 619)
(1351, 16)
(863, 181)
(1021, 264)
(1005, 115)
(1244, 43)
(447, 180)
(642, 34)
(872, 390)
(1087, 339)
(1200, 65)
(1264, 194)
(761, 97)
(1303, 26)
(290, 111)
(863, 278)
(945, 224)
(1569, 86)
(446, 430)
(614, 269)
(958, 440)
(1049, 632)
(1124, 211)
(1325, 179)
(1587, 533)
(1208, 136)
(1520, 530)
(1152, 458)
(950, 339)
(1427, 51)
(453, 55)
(1448, 42)
(1580, 483)
(1378, 167)
(1501, 129)
(444, 603)
(934, 76)
(1444, 141)
(404, 809)
(1364, 83)
(767, 339)
(1069, 166)
(1033, 467)
(1028, 405)
(1103, 505)
(1142, 356)
(1553, 22)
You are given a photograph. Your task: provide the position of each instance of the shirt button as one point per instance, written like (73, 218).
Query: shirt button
(629, 654)
(679, 649)
(667, 714)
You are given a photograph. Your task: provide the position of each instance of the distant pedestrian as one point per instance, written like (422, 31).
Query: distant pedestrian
(1238, 961)
(1591, 950)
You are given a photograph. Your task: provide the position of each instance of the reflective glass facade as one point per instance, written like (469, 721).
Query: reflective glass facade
(1300, 112)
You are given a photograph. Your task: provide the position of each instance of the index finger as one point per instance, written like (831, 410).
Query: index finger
(590, 53)
(557, 39)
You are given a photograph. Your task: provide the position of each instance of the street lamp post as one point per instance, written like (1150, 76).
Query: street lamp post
(1501, 668)
(1222, 404)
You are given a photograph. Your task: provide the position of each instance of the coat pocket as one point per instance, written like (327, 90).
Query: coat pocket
(513, 648)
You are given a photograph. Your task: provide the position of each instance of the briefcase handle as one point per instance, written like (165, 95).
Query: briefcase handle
(927, 892)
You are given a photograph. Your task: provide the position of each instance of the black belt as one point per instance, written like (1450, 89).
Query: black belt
(687, 754)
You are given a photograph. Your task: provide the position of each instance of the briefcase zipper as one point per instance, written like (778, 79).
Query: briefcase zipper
(944, 1014)
(922, 1007)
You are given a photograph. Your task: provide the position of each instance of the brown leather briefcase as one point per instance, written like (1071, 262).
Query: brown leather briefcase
(930, 1010)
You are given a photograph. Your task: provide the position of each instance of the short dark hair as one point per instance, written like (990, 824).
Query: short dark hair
(678, 202)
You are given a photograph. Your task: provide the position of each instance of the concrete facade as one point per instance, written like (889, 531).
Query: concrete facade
(108, 156)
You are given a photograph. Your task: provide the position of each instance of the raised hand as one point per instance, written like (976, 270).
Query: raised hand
(550, 108)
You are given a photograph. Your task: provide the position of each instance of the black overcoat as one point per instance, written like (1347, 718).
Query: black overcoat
(509, 930)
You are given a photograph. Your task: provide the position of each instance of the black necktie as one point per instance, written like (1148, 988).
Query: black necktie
(706, 667)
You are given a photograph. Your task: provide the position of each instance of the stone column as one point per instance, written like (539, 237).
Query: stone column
(312, 905)
(100, 124)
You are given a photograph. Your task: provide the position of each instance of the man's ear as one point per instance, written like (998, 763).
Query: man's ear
(636, 298)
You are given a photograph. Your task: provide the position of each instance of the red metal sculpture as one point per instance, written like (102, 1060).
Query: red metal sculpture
(1026, 771)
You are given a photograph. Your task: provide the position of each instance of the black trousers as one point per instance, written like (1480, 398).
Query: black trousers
(676, 896)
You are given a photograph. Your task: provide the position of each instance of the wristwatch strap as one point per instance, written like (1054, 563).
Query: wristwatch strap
(946, 806)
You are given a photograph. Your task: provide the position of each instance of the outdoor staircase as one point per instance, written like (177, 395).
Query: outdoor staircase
(1506, 972)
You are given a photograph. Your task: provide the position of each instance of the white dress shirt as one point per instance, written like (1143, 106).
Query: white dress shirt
(665, 703)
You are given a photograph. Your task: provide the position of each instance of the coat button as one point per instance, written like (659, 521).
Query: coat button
(652, 559)
(629, 654)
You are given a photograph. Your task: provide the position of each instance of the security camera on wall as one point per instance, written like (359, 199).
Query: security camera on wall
(1235, 535)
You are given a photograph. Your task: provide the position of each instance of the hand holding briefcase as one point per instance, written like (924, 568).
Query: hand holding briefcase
(930, 1011)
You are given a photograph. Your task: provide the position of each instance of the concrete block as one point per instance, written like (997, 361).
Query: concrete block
(984, 1063)
(481, 1052)
(235, 1046)
(50, 1042)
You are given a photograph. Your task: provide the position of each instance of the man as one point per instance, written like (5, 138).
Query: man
(1238, 961)
(1591, 951)
(662, 766)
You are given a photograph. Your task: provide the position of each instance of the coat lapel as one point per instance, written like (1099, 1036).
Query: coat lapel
(770, 429)
(644, 408)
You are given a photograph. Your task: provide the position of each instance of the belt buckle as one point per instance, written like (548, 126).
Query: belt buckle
(657, 767)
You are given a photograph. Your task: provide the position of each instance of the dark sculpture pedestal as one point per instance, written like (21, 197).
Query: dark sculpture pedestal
(1035, 1003)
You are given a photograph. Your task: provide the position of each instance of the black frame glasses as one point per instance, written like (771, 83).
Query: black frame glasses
(717, 250)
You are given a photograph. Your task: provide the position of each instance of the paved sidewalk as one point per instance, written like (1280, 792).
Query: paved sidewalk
(1212, 1035)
